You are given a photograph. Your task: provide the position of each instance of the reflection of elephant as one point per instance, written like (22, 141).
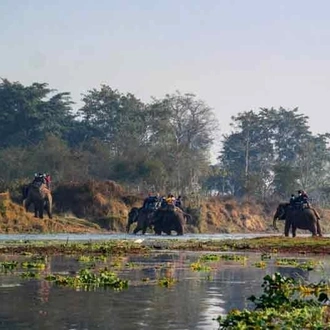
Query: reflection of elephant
(166, 220)
(40, 197)
(304, 218)
(144, 220)
(132, 217)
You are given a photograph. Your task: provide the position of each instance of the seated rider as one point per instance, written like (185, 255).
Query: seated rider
(38, 179)
(292, 200)
(151, 202)
(178, 202)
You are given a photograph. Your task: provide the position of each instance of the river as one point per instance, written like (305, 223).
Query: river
(193, 302)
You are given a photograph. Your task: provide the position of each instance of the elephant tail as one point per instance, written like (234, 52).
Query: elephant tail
(274, 224)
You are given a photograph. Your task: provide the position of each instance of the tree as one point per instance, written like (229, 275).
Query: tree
(28, 114)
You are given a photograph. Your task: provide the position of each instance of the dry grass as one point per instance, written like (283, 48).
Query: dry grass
(224, 216)
(14, 219)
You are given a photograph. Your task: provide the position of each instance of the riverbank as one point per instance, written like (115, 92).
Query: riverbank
(276, 244)
(104, 206)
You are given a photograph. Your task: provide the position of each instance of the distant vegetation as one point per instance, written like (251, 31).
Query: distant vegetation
(161, 146)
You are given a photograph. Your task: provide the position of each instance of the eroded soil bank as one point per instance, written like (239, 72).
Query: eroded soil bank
(104, 206)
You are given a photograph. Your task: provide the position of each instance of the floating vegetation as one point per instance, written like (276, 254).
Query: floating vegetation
(209, 257)
(30, 275)
(166, 281)
(286, 262)
(261, 264)
(266, 256)
(8, 265)
(306, 265)
(86, 279)
(234, 257)
(279, 308)
(35, 265)
(88, 259)
(200, 267)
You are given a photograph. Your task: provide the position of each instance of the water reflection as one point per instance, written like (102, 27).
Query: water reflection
(192, 303)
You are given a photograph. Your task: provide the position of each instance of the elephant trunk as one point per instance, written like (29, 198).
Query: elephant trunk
(274, 221)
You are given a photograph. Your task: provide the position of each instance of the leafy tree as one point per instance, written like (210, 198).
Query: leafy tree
(114, 118)
(27, 114)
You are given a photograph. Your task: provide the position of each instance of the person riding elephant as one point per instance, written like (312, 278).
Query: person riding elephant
(40, 196)
(167, 219)
(306, 218)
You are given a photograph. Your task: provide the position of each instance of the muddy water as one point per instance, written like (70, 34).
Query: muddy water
(191, 303)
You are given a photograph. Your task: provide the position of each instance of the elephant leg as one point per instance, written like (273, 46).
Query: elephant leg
(144, 229)
(36, 211)
(128, 227)
(313, 229)
(41, 209)
(287, 228)
(26, 204)
(318, 228)
(294, 230)
(136, 230)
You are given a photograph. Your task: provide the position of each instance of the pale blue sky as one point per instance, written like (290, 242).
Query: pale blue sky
(236, 55)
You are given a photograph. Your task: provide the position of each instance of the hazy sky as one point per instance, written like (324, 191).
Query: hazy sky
(236, 55)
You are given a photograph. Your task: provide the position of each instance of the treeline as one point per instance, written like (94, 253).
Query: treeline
(162, 146)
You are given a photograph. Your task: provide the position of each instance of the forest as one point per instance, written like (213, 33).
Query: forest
(161, 146)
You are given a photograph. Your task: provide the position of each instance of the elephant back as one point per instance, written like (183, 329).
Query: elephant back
(37, 190)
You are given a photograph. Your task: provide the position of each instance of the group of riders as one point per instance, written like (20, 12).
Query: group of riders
(300, 201)
(154, 202)
(42, 178)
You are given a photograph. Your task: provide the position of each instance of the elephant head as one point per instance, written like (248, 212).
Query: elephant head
(132, 217)
(280, 213)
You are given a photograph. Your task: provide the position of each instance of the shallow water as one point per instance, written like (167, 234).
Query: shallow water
(191, 303)
(100, 237)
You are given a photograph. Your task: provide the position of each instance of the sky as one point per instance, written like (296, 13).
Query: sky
(236, 55)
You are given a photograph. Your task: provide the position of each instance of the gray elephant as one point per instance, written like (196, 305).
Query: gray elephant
(298, 218)
(144, 220)
(40, 196)
(168, 219)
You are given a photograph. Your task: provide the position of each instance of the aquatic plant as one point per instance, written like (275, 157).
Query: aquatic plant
(30, 275)
(209, 257)
(88, 258)
(8, 265)
(31, 264)
(234, 257)
(166, 281)
(87, 279)
(279, 308)
(199, 267)
(286, 262)
(260, 264)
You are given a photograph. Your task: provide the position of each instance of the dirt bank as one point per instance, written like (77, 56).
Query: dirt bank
(96, 206)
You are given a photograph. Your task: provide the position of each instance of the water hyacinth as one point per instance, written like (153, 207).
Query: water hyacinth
(88, 279)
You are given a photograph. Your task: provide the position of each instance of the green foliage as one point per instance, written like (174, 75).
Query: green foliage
(166, 282)
(278, 308)
(88, 280)
(8, 265)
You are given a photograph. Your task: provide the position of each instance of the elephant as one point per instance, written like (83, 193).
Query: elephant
(298, 218)
(168, 219)
(144, 220)
(132, 217)
(40, 196)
